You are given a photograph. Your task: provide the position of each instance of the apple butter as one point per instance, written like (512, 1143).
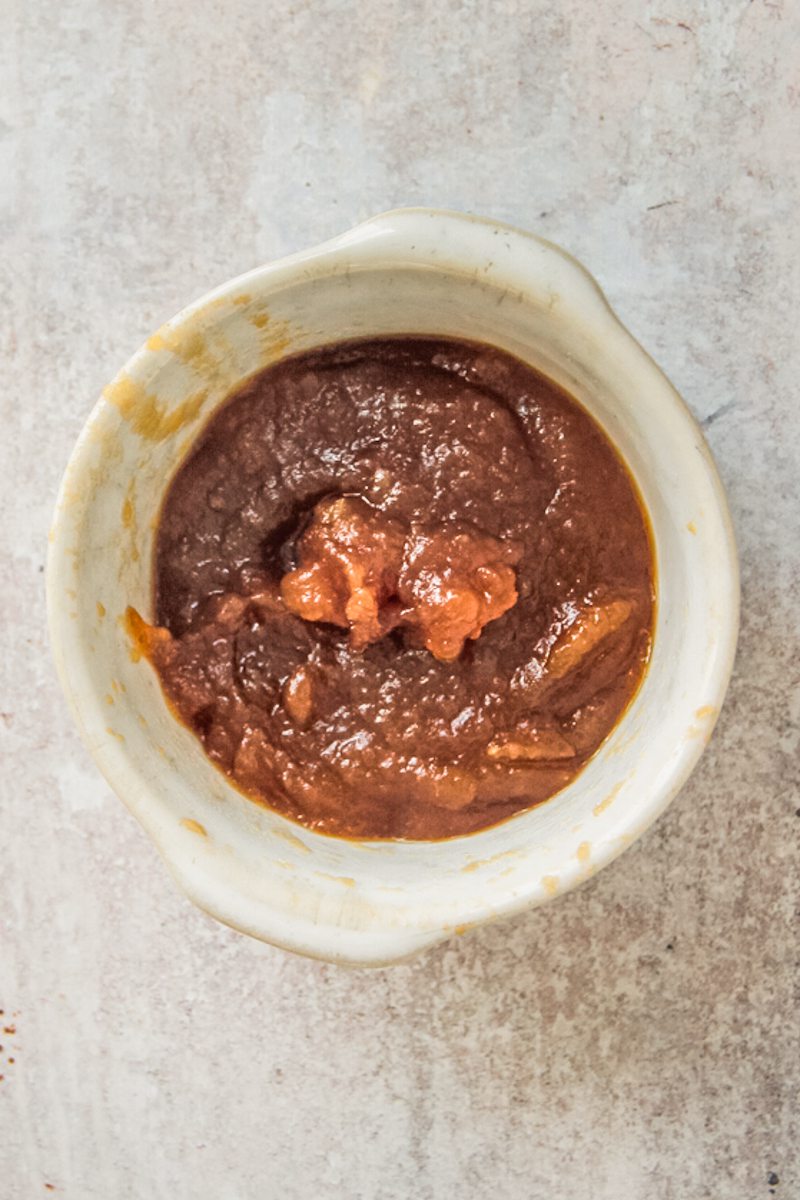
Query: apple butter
(404, 588)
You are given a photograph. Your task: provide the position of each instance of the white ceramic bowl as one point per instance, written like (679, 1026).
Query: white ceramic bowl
(410, 271)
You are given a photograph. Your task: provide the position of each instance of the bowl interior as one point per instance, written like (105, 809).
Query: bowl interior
(249, 865)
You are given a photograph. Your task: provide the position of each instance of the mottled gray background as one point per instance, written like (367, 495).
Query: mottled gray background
(637, 1040)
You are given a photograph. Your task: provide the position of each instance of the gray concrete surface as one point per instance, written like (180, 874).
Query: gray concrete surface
(637, 1040)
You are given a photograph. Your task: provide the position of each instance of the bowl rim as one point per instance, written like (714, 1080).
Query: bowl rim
(329, 941)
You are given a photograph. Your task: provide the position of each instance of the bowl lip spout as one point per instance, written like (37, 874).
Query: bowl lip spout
(537, 272)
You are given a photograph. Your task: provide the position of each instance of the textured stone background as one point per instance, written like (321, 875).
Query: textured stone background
(637, 1040)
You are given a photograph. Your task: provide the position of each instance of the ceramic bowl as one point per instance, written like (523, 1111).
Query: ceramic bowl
(410, 271)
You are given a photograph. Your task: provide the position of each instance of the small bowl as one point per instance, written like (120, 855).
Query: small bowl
(410, 271)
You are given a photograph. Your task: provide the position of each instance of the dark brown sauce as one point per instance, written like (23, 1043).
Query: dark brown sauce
(403, 588)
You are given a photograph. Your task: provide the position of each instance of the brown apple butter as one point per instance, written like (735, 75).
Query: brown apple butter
(404, 588)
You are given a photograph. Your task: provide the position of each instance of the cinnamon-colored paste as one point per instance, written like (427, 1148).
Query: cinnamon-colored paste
(404, 588)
